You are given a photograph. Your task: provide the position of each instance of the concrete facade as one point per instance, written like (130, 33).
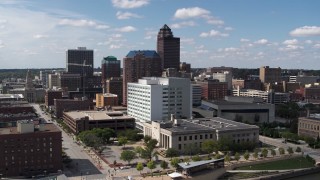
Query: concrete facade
(309, 126)
(157, 98)
(180, 134)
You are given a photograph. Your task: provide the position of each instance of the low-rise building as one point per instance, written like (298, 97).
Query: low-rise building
(244, 109)
(105, 100)
(183, 133)
(61, 105)
(30, 149)
(309, 126)
(86, 120)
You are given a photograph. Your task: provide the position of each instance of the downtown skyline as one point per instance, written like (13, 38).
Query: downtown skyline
(244, 34)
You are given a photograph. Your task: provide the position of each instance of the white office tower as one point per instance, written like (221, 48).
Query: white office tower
(157, 98)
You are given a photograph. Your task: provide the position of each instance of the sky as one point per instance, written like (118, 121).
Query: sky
(235, 33)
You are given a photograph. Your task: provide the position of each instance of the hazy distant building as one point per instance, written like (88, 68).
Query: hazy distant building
(185, 67)
(168, 48)
(270, 75)
(138, 64)
(80, 61)
(219, 69)
(225, 76)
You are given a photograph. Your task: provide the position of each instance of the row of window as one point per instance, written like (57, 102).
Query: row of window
(309, 126)
(195, 137)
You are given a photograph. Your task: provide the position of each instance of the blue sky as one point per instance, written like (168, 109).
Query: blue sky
(236, 33)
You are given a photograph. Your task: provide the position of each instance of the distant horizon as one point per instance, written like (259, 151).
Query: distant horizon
(241, 34)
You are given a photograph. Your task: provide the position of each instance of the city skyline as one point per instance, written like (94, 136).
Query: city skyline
(244, 34)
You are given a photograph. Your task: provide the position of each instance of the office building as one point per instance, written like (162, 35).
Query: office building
(138, 64)
(158, 98)
(196, 94)
(62, 105)
(110, 67)
(168, 48)
(270, 75)
(80, 61)
(213, 89)
(30, 149)
(51, 95)
(114, 85)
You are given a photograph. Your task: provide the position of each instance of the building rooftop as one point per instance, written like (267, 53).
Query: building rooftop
(97, 115)
(49, 127)
(209, 124)
(146, 53)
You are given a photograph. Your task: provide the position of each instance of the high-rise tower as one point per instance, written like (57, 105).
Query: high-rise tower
(168, 48)
(80, 61)
(138, 64)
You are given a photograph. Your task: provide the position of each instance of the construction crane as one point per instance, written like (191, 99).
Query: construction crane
(83, 74)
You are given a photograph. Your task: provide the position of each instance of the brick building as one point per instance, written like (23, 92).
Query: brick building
(30, 149)
(114, 85)
(213, 89)
(62, 105)
(51, 95)
(138, 64)
(105, 100)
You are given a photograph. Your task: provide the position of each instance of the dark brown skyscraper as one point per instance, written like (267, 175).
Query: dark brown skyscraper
(110, 67)
(168, 48)
(138, 64)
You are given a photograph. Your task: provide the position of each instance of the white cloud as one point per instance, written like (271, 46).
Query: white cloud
(102, 26)
(290, 42)
(202, 51)
(1, 44)
(182, 24)
(127, 15)
(244, 40)
(291, 47)
(228, 28)
(197, 12)
(231, 49)
(40, 36)
(317, 46)
(129, 4)
(82, 23)
(126, 29)
(308, 42)
(114, 46)
(261, 41)
(306, 31)
(150, 34)
(214, 21)
(213, 33)
(193, 12)
(187, 41)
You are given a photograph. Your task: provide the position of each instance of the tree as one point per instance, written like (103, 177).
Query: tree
(256, 153)
(191, 149)
(139, 167)
(104, 133)
(273, 152)
(138, 150)
(227, 157)
(175, 162)
(171, 152)
(151, 165)
(196, 158)
(281, 151)
(164, 165)
(208, 146)
(298, 149)
(217, 156)
(128, 155)
(290, 150)
(237, 156)
(246, 155)
(264, 152)
(123, 141)
(146, 139)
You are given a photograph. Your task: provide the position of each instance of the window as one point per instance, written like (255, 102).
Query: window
(179, 138)
(206, 136)
(190, 137)
(179, 146)
(196, 137)
(210, 136)
(185, 138)
(201, 136)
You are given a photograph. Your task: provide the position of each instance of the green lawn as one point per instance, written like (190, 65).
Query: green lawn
(294, 163)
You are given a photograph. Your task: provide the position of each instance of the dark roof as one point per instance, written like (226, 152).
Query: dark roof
(146, 53)
(109, 58)
(166, 27)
